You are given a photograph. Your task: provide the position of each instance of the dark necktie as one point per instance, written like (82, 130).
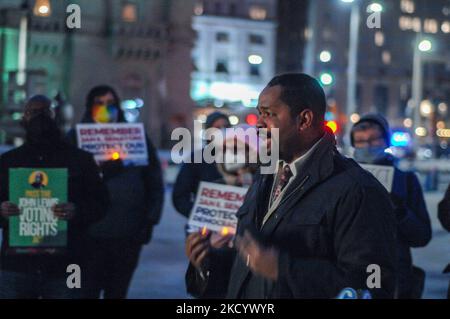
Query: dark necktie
(284, 175)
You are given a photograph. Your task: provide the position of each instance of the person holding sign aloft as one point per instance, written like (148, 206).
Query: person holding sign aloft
(50, 193)
(135, 187)
(371, 138)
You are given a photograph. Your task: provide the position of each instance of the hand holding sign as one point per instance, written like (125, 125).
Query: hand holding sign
(9, 209)
(216, 206)
(64, 211)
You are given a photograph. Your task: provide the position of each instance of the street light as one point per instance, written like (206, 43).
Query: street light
(375, 7)
(42, 8)
(325, 56)
(255, 59)
(426, 108)
(326, 79)
(352, 69)
(425, 46)
(421, 47)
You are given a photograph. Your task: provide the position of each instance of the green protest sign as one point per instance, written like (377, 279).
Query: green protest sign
(35, 191)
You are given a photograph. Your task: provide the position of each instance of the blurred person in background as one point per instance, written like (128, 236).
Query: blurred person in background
(45, 276)
(370, 137)
(137, 195)
(191, 174)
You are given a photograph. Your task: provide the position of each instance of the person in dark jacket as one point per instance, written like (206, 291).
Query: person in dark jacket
(371, 137)
(315, 227)
(444, 217)
(137, 195)
(41, 275)
(191, 174)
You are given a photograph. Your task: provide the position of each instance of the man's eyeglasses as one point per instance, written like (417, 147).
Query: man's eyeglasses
(374, 141)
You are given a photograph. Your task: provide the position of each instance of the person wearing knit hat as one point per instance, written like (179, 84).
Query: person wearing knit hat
(370, 137)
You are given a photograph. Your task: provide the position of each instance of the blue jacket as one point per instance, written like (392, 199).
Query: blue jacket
(413, 222)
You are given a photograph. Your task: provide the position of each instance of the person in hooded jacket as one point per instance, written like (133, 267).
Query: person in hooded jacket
(44, 274)
(137, 195)
(370, 137)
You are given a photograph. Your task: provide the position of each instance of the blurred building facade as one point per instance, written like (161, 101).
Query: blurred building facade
(291, 35)
(235, 52)
(385, 55)
(140, 47)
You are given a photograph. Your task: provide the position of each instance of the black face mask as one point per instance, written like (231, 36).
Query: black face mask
(41, 129)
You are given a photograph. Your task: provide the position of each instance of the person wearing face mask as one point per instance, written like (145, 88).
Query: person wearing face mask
(45, 276)
(137, 194)
(370, 137)
(191, 174)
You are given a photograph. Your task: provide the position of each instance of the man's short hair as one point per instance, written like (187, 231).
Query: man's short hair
(301, 91)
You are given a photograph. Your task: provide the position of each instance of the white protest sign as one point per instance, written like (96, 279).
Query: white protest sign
(114, 141)
(384, 174)
(216, 206)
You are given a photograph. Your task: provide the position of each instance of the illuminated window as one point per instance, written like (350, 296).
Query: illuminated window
(430, 26)
(307, 33)
(407, 6)
(445, 27)
(129, 12)
(386, 57)
(405, 23)
(198, 9)
(379, 38)
(257, 12)
(417, 25)
(42, 8)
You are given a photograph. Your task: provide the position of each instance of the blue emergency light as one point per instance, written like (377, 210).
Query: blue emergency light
(400, 139)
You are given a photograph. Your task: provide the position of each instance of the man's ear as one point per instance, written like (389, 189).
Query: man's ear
(305, 120)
